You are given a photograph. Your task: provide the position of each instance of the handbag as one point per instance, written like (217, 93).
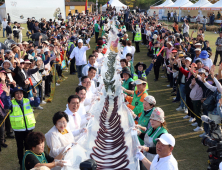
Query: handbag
(210, 103)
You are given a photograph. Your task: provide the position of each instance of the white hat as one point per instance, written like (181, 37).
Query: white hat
(150, 99)
(167, 139)
(80, 41)
(46, 49)
(138, 81)
(169, 42)
(189, 59)
(21, 60)
(39, 58)
(198, 44)
(197, 49)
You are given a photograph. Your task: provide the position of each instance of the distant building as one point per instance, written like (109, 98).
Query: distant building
(80, 6)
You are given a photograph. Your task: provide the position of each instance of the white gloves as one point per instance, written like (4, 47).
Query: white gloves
(142, 148)
(68, 62)
(87, 41)
(140, 156)
(123, 88)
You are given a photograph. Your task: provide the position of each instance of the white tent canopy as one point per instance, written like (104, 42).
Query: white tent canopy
(165, 4)
(119, 5)
(216, 6)
(179, 3)
(2, 12)
(197, 5)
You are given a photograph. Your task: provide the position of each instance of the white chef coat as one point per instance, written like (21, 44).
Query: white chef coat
(80, 55)
(166, 163)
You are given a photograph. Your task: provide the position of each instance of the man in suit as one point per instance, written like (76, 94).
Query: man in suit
(9, 30)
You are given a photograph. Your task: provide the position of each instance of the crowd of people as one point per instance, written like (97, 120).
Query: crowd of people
(26, 77)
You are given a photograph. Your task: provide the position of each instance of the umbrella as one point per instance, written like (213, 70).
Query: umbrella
(7, 44)
(36, 36)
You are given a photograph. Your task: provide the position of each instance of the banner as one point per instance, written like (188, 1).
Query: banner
(20, 10)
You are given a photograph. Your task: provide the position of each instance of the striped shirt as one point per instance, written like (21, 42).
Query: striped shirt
(219, 42)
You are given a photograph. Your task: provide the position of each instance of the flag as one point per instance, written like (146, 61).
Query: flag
(107, 4)
(86, 5)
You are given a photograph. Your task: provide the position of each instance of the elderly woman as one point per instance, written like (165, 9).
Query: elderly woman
(59, 136)
(144, 120)
(35, 156)
(158, 127)
(127, 86)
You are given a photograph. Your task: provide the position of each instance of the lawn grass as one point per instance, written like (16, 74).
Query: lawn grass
(189, 152)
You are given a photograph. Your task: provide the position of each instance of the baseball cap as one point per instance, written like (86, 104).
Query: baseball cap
(150, 99)
(80, 41)
(197, 49)
(189, 59)
(139, 81)
(167, 139)
(198, 44)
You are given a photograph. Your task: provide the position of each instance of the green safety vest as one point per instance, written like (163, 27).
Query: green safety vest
(138, 36)
(96, 27)
(144, 121)
(157, 51)
(41, 158)
(161, 130)
(135, 77)
(103, 18)
(70, 44)
(137, 103)
(126, 84)
(19, 120)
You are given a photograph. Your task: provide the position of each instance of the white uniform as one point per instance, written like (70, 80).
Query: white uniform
(166, 163)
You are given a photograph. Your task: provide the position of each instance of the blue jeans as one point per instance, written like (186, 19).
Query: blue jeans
(204, 27)
(79, 70)
(183, 95)
(4, 29)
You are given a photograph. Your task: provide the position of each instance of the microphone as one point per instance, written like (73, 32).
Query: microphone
(207, 120)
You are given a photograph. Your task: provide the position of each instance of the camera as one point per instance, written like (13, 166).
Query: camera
(214, 143)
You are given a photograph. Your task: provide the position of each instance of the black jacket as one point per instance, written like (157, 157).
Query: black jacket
(179, 75)
(8, 30)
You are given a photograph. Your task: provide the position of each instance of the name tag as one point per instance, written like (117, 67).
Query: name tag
(28, 107)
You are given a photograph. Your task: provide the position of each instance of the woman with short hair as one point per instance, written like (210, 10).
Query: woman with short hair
(35, 156)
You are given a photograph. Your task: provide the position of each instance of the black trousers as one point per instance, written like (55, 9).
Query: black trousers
(144, 39)
(20, 138)
(59, 70)
(96, 35)
(47, 85)
(133, 37)
(156, 71)
(190, 105)
(72, 65)
(8, 127)
(137, 46)
(216, 56)
(2, 133)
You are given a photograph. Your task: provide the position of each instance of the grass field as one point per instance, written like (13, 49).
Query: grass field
(189, 152)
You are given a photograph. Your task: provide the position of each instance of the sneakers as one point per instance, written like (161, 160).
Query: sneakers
(174, 98)
(186, 111)
(168, 85)
(180, 109)
(202, 135)
(186, 117)
(194, 124)
(57, 84)
(197, 129)
(39, 107)
(43, 102)
(163, 76)
(192, 119)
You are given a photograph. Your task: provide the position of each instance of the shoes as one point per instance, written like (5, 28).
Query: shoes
(163, 76)
(202, 135)
(174, 98)
(180, 109)
(168, 85)
(11, 135)
(192, 119)
(186, 111)
(39, 108)
(57, 84)
(43, 102)
(4, 145)
(175, 101)
(197, 129)
(186, 117)
(194, 124)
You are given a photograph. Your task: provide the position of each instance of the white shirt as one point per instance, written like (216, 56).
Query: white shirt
(126, 50)
(86, 69)
(82, 114)
(88, 100)
(166, 163)
(4, 24)
(100, 58)
(80, 55)
(171, 14)
(207, 62)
